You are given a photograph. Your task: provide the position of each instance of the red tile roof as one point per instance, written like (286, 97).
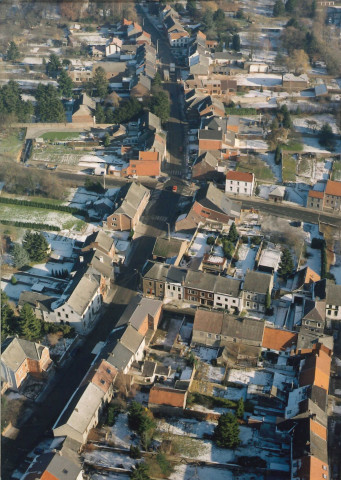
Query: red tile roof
(314, 194)
(277, 339)
(240, 176)
(167, 396)
(333, 188)
(149, 156)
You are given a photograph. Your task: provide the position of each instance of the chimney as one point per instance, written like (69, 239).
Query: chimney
(206, 128)
(81, 259)
(101, 259)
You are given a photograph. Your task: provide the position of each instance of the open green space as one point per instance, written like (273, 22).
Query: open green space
(256, 166)
(336, 172)
(11, 142)
(288, 168)
(293, 145)
(47, 201)
(60, 135)
(20, 213)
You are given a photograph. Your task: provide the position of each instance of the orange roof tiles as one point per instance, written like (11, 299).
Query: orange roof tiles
(201, 34)
(333, 188)
(316, 369)
(314, 194)
(311, 276)
(47, 476)
(176, 35)
(104, 376)
(318, 429)
(167, 396)
(149, 156)
(240, 176)
(279, 340)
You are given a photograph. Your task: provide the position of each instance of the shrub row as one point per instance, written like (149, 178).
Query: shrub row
(28, 203)
(34, 226)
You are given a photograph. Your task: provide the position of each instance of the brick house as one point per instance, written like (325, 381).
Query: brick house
(162, 280)
(332, 196)
(131, 202)
(315, 200)
(20, 358)
(147, 165)
(240, 183)
(211, 106)
(100, 241)
(142, 313)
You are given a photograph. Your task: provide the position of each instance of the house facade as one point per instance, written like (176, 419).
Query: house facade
(241, 183)
(255, 289)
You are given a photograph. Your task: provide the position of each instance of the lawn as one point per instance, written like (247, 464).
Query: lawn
(336, 172)
(20, 213)
(293, 146)
(288, 168)
(11, 142)
(260, 169)
(29, 198)
(60, 135)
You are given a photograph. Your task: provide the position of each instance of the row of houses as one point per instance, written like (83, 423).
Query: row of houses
(327, 200)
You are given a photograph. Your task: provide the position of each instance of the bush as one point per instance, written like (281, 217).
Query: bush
(135, 452)
(14, 281)
(245, 239)
(210, 240)
(226, 433)
(165, 466)
(240, 111)
(256, 240)
(93, 186)
(113, 411)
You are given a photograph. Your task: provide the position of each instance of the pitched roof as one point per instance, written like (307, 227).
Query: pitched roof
(257, 282)
(52, 466)
(200, 280)
(102, 375)
(277, 339)
(210, 322)
(227, 286)
(83, 293)
(36, 299)
(333, 294)
(131, 197)
(14, 351)
(243, 328)
(316, 369)
(160, 395)
(104, 241)
(315, 311)
(131, 339)
(211, 197)
(307, 442)
(208, 158)
(120, 356)
(333, 188)
(137, 310)
(240, 176)
(315, 194)
(149, 156)
(167, 248)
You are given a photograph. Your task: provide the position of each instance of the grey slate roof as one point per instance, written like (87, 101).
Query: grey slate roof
(99, 262)
(167, 248)
(137, 309)
(105, 242)
(210, 134)
(333, 295)
(243, 328)
(57, 464)
(16, 350)
(131, 199)
(211, 197)
(120, 356)
(227, 286)
(131, 339)
(165, 272)
(315, 311)
(257, 282)
(82, 294)
(208, 158)
(200, 280)
(32, 298)
(305, 442)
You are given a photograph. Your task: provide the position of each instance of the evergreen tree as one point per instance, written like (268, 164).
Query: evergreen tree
(140, 472)
(286, 265)
(106, 141)
(160, 105)
(157, 80)
(287, 123)
(12, 103)
(326, 136)
(226, 433)
(240, 408)
(278, 153)
(49, 108)
(53, 66)
(279, 9)
(290, 5)
(236, 42)
(36, 246)
(30, 326)
(228, 248)
(267, 300)
(20, 256)
(191, 7)
(65, 84)
(12, 53)
(100, 82)
(100, 115)
(8, 320)
(233, 234)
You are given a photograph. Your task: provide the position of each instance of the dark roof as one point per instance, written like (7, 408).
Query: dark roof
(14, 351)
(105, 242)
(207, 158)
(243, 328)
(210, 135)
(319, 396)
(200, 280)
(34, 298)
(211, 197)
(227, 286)
(315, 311)
(120, 356)
(257, 282)
(137, 310)
(167, 248)
(165, 272)
(306, 442)
(57, 464)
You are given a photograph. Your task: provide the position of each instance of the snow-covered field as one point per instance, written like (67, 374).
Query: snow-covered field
(256, 377)
(312, 124)
(215, 374)
(109, 459)
(247, 257)
(45, 269)
(206, 354)
(189, 472)
(258, 79)
(230, 393)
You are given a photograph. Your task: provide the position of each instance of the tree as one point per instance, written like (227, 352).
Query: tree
(8, 320)
(12, 105)
(30, 325)
(53, 66)
(100, 114)
(285, 117)
(127, 111)
(36, 246)
(12, 53)
(100, 82)
(228, 248)
(233, 234)
(236, 42)
(286, 265)
(140, 472)
(226, 433)
(267, 300)
(240, 408)
(326, 137)
(65, 84)
(290, 5)
(20, 255)
(141, 420)
(191, 7)
(160, 105)
(106, 141)
(49, 108)
(278, 153)
(279, 9)
(157, 79)
(298, 62)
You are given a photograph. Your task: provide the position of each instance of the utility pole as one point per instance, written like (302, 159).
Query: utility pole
(168, 225)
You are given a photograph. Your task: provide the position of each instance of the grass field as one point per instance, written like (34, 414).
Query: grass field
(11, 143)
(47, 201)
(60, 135)
(20, 213)
(260, 169)
(292, 146)
(288, 168)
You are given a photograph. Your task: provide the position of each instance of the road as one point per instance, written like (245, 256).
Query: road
(176, 125)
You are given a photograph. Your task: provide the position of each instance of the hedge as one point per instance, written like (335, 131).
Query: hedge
(35, 226)
(27, 203)
(240, 111)
(320, 243)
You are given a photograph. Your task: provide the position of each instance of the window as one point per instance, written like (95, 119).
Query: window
(218, 298)
(217, 336)
(168, 286)
(58, 313)
(219, 304)
(233, 301)
(66, 316)
(202, 294)
(210, 295)
(329, 312)
(247, 304)
(335, 313)
(324, 475)
(245, 184)
(231, 189)
(324, 467)
(311, 204)
(102, 381)
(209, 335)
(108, 370)
(161, 285)
(245, 190)
(248, 296)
